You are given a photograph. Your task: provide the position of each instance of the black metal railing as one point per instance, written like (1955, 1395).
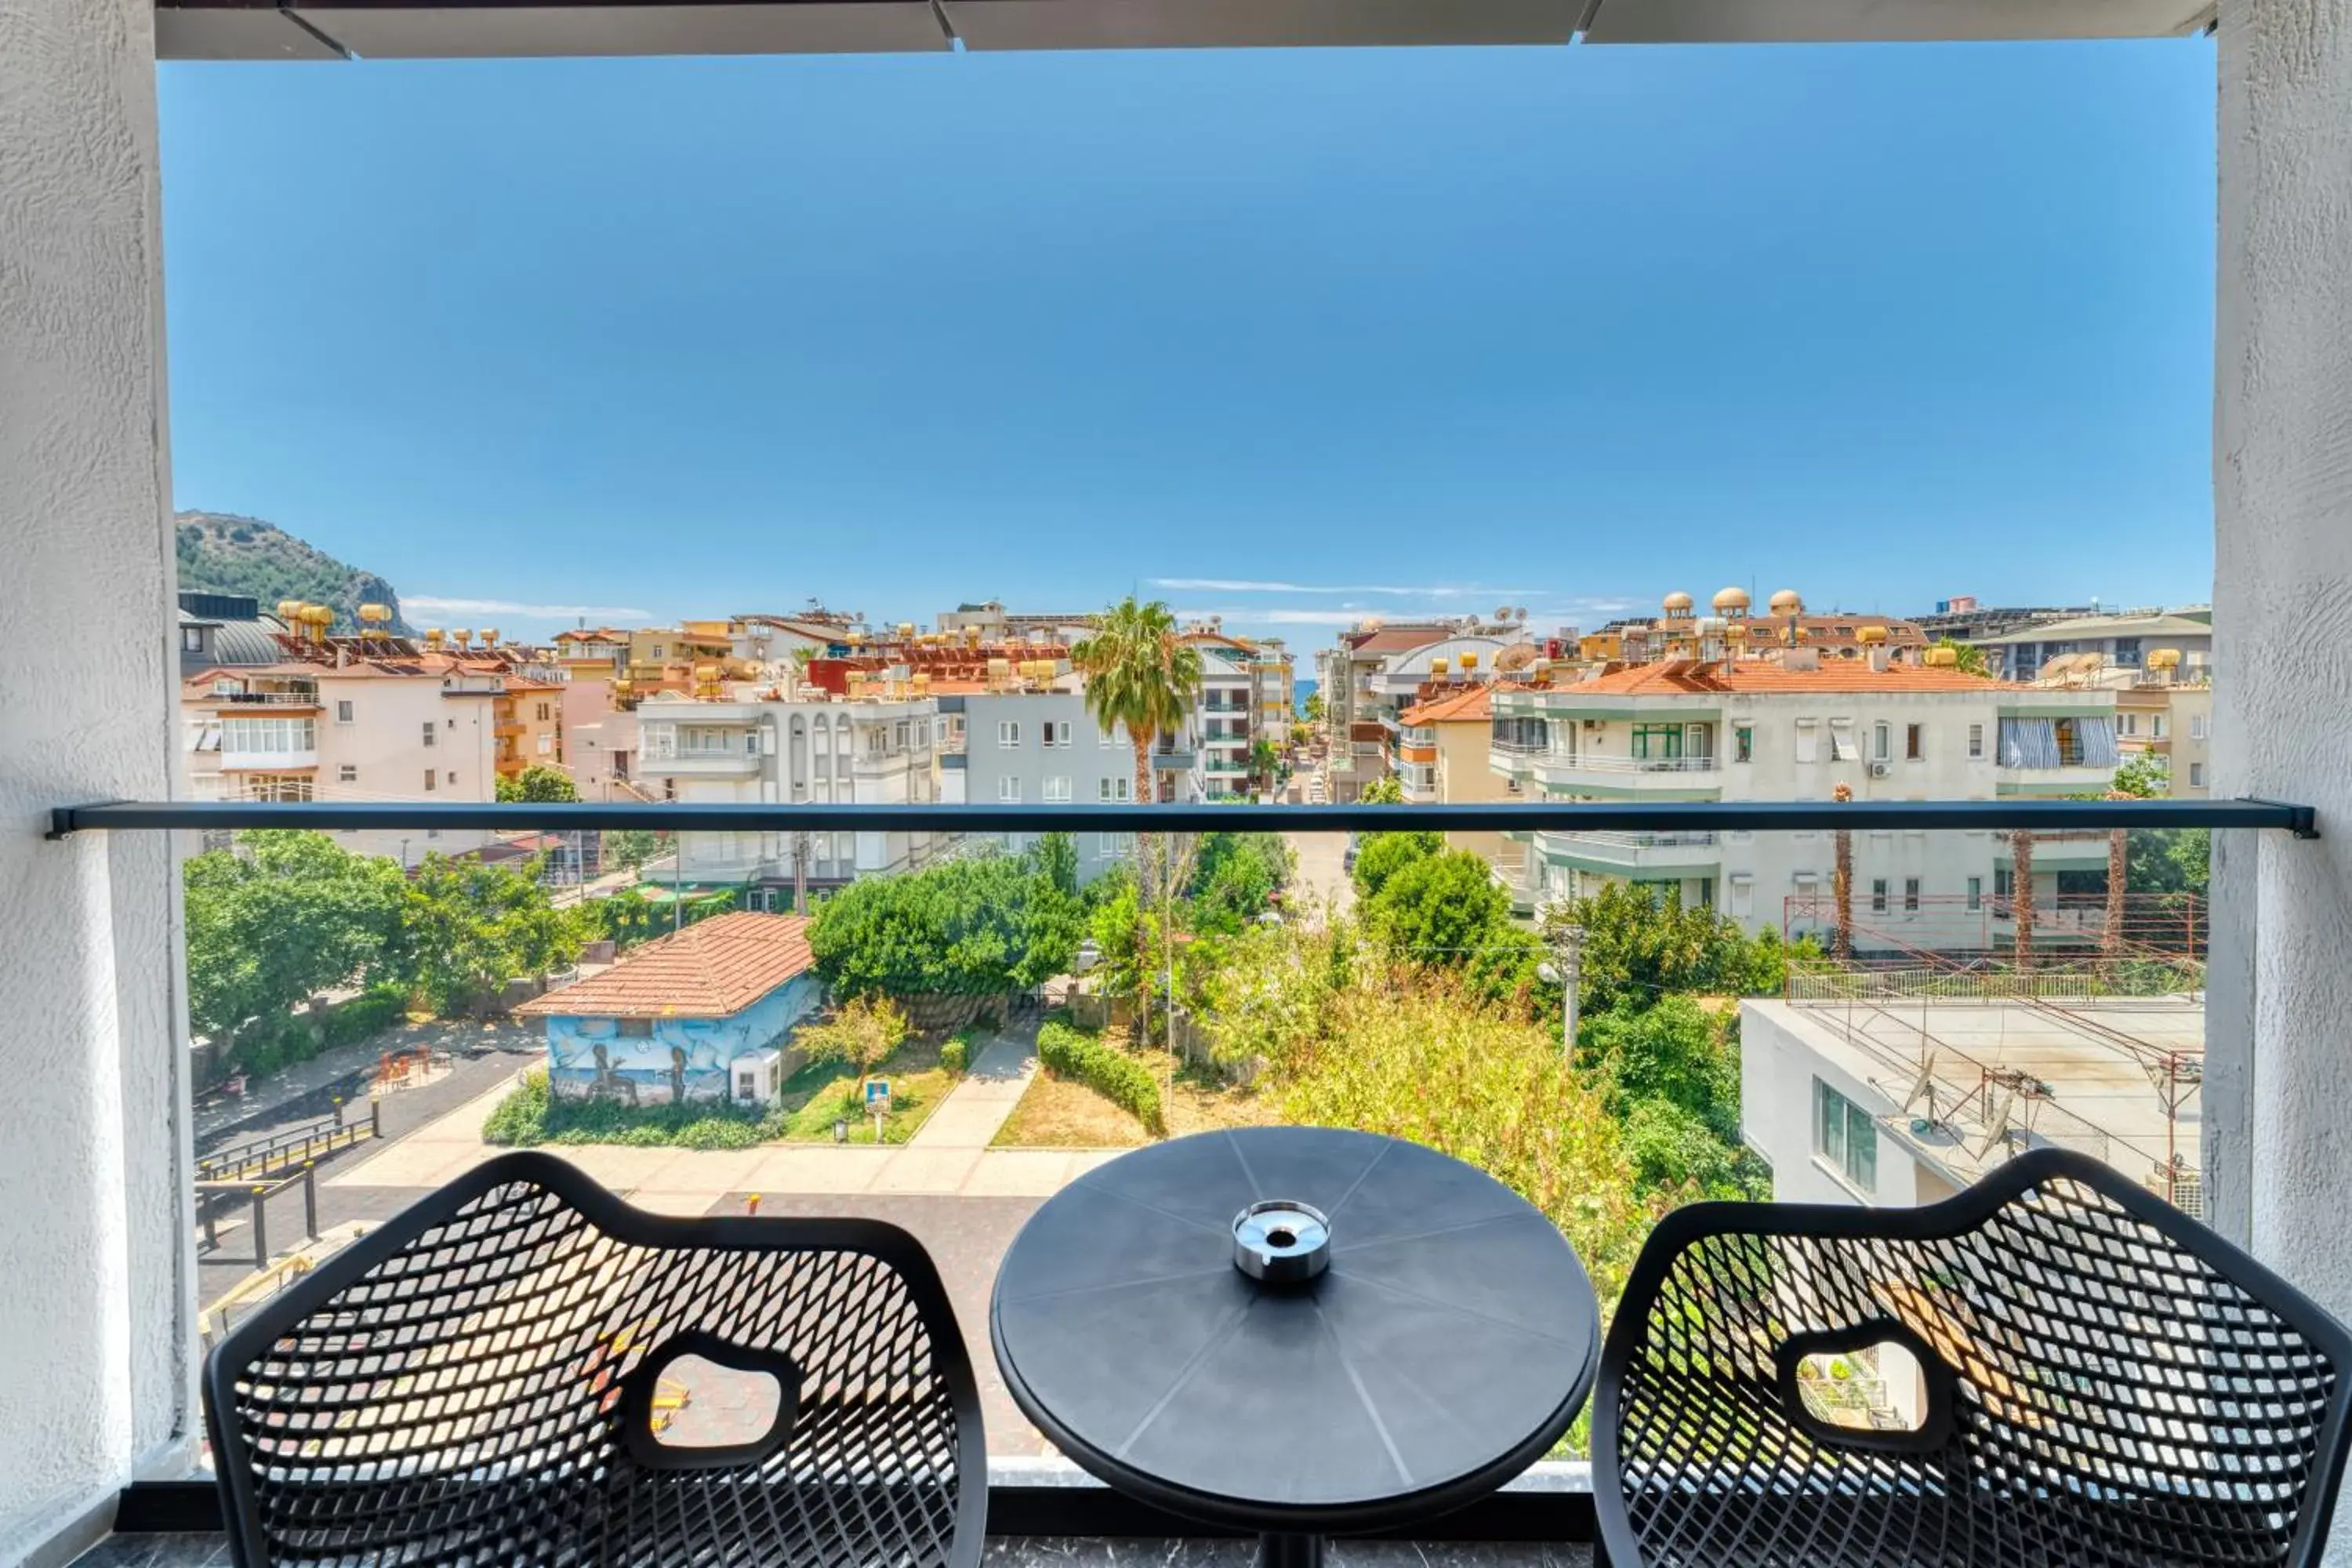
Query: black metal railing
(1655, 816)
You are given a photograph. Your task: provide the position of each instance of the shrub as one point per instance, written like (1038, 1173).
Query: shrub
(1117, 1076)
(529, 1115)
(862, 1032)
(956, 1054)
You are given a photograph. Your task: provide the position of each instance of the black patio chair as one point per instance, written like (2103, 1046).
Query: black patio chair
(475, 1381)
(2101, 1381)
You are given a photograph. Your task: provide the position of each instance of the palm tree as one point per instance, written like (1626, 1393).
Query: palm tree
(1141, 673)
(1841, 884)
(2020, 858)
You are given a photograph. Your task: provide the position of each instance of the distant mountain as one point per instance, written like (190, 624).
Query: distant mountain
(220, 553)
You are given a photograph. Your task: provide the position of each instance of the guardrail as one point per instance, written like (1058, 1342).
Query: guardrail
(288, 1149)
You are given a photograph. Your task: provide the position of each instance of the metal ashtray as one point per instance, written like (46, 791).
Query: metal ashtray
(1279, 1242)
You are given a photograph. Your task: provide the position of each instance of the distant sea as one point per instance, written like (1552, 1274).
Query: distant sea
(1300, 691)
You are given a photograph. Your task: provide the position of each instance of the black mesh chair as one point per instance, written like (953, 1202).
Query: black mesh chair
(475, 1383)
(2100, 1379)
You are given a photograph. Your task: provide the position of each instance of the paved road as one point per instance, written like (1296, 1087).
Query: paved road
(1320, 875)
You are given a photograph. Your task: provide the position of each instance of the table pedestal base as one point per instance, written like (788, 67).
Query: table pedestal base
(1291, 1551)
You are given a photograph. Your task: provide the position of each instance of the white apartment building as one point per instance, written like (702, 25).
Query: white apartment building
(366, 731)
(1764, 730)
(1376, 672)
(823, 751)
(1041, 748)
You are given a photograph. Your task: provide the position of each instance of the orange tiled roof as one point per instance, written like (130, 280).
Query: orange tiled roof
(712, 969)
(1473, 704)
(1676, 677)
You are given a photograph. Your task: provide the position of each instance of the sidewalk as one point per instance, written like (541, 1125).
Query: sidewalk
(696, 1181)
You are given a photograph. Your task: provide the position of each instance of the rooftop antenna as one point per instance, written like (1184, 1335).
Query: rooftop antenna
(1922, 1087)
(1997, 1122)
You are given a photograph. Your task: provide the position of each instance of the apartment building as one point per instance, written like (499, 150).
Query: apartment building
(221, 630)
(1042, 747)
(2161, 708)
(1222, 728)
(2119, 641)
(1440, 756)
(1793, 727)
(751, 746)
(1376, 670)
(1274, 695)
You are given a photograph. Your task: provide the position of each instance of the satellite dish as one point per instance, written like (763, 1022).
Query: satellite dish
(1997, 1122)
(1502, 612)
(1923, 1086)
(1521, 613)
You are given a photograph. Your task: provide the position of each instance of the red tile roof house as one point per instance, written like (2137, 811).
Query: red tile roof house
(703, 1014)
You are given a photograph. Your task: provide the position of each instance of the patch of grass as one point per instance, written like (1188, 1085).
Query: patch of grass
(817, 1096)
(1060, 1112)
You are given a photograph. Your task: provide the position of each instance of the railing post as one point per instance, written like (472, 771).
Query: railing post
(310, 1200)
(260, 1228)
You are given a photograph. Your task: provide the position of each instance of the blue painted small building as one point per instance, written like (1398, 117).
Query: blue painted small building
(703, 1014)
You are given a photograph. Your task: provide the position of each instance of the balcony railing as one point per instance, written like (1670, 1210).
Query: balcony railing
(1589, 763)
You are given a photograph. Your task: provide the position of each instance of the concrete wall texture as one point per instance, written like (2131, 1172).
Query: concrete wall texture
(2279, 1008)
(639, 1067)
(95, 1304)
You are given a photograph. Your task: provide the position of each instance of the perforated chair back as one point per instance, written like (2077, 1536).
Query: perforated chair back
(2101, 1381)
(475, 1383)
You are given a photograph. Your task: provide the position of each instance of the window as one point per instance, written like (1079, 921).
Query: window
(922, 736)
(1882, 737)
(1843, 745)
(877, 740)
(1911, 895)
(1008, 788)
(1116, 792)
(270, 735)
(432, 781)
(1845, 1139)
(1976, 894)
(348, 773)
(542, 713)
(343, 711)
(2196, 776)
(1054, 733)
(1658, 743)
(2127, 723)
(1976, 740)
(1057, 790)
(429, 734)
(192, 639)
(2156, 726)
(1915, 741)
(900, 732)
(1809, 741)
(1743, 743)
(1743, 894)
(2004, 881)
(1112, 845)
(451, 775)
(1878, 895)
(2128, 653)
(636, 1029)
(2197, 722)
(1008, 733)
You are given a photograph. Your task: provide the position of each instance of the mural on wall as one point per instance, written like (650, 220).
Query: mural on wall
(661, 1062)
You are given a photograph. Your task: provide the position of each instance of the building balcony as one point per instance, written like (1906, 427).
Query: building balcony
(1686, 778)
(703, 765)
(1173, 762)
(2082, 851)
(275, 701)
(305, 760)
(2065, 778)
(1632, 853)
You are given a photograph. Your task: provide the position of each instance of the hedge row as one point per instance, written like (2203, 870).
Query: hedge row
(1108, 1072)
(279, 1043)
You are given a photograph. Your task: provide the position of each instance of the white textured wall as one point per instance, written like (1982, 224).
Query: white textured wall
(92, 1300)
(2282, 602)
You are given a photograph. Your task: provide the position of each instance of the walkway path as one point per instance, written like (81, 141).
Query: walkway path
(973, 1111)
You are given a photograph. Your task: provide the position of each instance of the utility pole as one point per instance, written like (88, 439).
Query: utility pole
(1567, 968)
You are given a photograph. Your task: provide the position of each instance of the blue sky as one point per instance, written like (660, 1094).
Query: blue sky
(1284, 335)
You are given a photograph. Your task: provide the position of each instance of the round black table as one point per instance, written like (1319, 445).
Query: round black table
(1446, 1344)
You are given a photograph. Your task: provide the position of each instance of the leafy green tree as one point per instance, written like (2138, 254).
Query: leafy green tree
(1380, 855)
(861, 1033)
(284, 917)
(1265, 757)
(2159, 860)
(469, 928)
(1439, 909)
(1638, 944)
(1235, 878)
(631, 847)
(1671, 1152)
(540, 784)
(976, 926)
(1673, 1050)
(1384, 790)
(2143, 776)
(1313, 706)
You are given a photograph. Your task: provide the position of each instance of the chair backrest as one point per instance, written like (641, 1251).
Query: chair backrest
(475, 1381)
(2101, 1380)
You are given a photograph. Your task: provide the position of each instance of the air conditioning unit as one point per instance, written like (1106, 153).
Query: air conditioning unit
(1880, 770)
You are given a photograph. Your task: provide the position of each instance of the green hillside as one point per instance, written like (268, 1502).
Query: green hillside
(223, 554)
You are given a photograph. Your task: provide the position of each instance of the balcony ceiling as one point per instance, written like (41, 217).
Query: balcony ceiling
(438, 29)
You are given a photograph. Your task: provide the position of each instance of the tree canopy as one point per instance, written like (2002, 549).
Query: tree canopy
(294, 915)
(539, 784)
(1140, 672)
(976, 925)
